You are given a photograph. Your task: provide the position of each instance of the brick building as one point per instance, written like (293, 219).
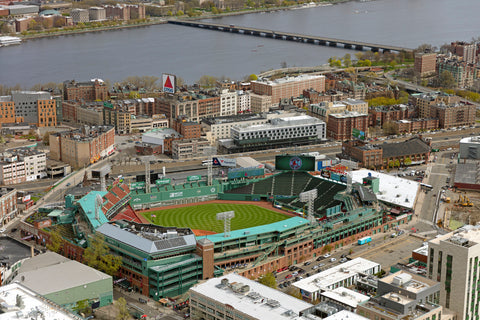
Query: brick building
(423, 101)
(425, 64)
(368, 155)
(453, 115)
(288, 87)
(97, 14)
(463, 72)
(93, 90)
(8, 205)
(465, 50)
(83, 146)
(415, 125)
(377, 116)
(340, 125)
(188, 129)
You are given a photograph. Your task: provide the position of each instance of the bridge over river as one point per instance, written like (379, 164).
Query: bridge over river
(347, 44)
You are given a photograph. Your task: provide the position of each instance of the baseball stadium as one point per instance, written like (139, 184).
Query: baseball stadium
(170, 236)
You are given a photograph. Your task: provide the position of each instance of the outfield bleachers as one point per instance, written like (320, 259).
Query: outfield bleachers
(282, 184)
(242, 190)
(263, 186)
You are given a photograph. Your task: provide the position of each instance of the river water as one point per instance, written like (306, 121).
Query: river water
(191, 52)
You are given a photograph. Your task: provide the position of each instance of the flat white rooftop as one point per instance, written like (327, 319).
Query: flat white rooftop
(258, 307)
(466, 233)
(346, 296)
(34, 305)
(393, 190)
(289, 79)
(475, 139)
(345, 315)
(321, 281)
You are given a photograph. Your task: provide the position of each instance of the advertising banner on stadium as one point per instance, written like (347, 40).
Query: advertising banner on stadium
(162, 181)
(224, 162)
(194, 178)
(295, 163)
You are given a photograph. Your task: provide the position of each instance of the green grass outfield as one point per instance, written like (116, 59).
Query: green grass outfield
(203, 216)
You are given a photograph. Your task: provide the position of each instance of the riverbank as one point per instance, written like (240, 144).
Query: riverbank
(157, 20)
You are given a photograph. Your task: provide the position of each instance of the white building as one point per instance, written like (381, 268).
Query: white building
(12, 171)
(470, 148)
(219, 127)
(288, 128)
(453, 260)
(35, 163)
(228, 103)
(243, 101)
(347, 298)
(34, 305)
(343, 275)
(235, 297)
(80, 15)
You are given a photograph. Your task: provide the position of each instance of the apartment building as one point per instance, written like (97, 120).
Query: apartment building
(454, 115)
(425, 64)
(243, 101)
(93, 90)
(97, 14)
(8, 205)
(83, 146)
(35, 163)
(228, 102)
(415, 125)
(323, 109)
(377, 116)
(463, 72)
(288, 87)
(340, 125)
(467, 51)
(453, 260)
(423, 101)
(260, 103)
(176, 105)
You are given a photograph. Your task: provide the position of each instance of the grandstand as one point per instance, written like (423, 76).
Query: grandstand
(285, 187)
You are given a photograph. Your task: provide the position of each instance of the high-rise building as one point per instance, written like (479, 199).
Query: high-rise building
(425, 64)
(453, 260)
(92, 90)
(288, 87)
(465, 50)
(35, 107)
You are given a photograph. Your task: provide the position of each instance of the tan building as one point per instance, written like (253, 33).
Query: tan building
(425, 64)
(453, 262)
(173, 106)
(356, 105)
(82, 147)
(189, 148)
(260, 103)
(288, 87)
(97, 14)
(323, 109)
(456, 115)
(423, 101)
(12, 171)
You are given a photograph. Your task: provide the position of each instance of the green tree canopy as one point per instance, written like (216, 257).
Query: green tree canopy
(268, 280)
(98, 256)
(446, 79)
(122, 309)
(56, 242)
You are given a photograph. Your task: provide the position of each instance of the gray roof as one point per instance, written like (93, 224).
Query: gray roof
(365, 193)
(57, 276)
(468, 173)
(12, 251)
(41, 261)
(405, 148)
(144, 244)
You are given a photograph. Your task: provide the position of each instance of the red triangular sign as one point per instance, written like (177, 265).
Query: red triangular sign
(168, 83)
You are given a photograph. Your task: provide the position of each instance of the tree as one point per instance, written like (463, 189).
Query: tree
(425, 47)
(389, 128)
(347, 60)
(215, 10)
(268, 280)
(98, 256)
(207, 81)
(252, 77)
(407, 161)
(446, 79)
(327, 248)
(56, 242)
(121, 306)
(82, 306)
(180, 13)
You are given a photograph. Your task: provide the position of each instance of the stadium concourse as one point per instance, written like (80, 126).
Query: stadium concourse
(165, 261)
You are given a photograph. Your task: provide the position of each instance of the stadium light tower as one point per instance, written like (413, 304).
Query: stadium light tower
(226, 217)
(147, 176)
(309, 197)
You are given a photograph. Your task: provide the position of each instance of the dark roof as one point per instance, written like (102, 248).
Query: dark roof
(365, 193)
(405, 148)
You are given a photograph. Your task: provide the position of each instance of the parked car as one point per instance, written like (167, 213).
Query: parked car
(315, 267)
(327, 255)
(295, 274)
(343, 260)
(307, 263)
(333, 260)
(321, 265)
(343, 255)
(288, 276)
(320, 258)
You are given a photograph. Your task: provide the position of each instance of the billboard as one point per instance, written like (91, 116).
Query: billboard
(295, 163)
(168, 82)
(224, 162)
(194, 178)
(245, 172)
(358, 134)
(162, 181)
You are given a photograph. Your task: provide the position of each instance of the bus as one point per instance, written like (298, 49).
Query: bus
(364, 240)
(425, 186)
